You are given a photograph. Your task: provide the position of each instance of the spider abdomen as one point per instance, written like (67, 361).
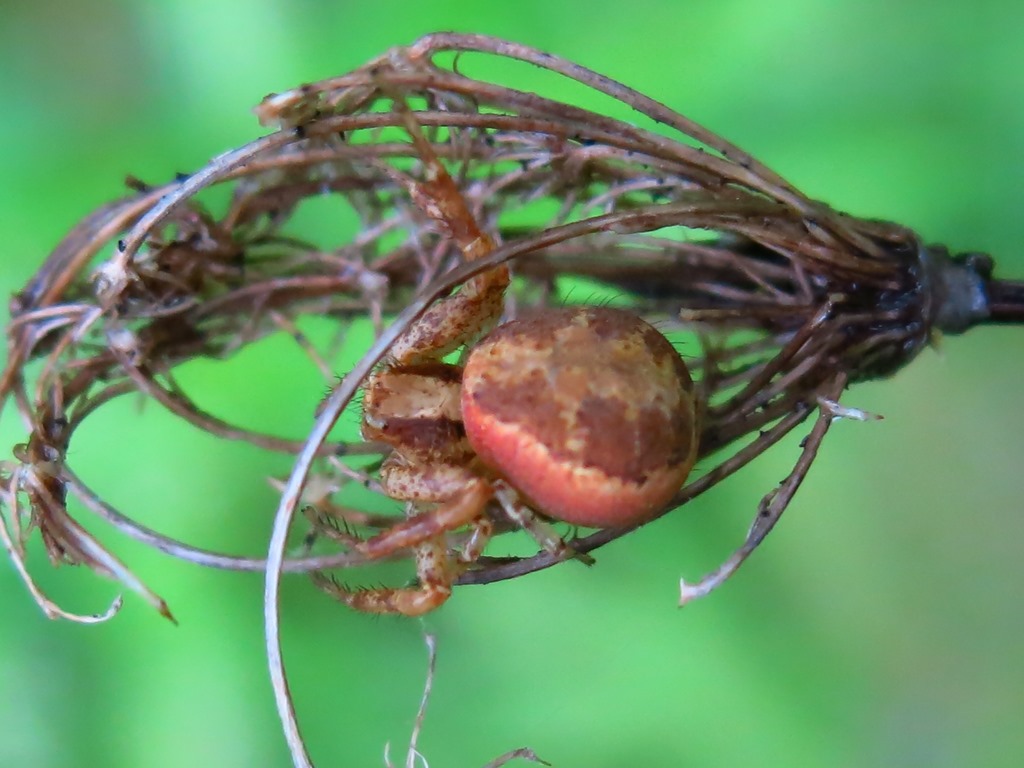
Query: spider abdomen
(588, 411)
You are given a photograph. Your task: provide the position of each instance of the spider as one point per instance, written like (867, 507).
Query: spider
(585, 415)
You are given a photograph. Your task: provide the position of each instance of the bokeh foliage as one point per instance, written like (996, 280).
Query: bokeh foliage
(878, 625)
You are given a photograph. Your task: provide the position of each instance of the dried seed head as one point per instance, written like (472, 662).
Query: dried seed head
(787, 300)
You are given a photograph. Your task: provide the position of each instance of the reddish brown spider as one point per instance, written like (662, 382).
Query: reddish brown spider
(585, 415)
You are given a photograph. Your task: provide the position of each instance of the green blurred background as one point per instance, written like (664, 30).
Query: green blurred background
(880, 625)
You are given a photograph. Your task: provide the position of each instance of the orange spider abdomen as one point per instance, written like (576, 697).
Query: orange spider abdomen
(588, 411)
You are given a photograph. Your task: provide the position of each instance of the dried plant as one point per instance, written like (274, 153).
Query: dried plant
(785, 301)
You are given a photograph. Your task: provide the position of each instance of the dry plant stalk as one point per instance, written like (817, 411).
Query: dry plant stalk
(787, 301)
(412, 753)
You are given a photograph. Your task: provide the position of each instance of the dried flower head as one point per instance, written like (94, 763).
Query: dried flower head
(781, 302)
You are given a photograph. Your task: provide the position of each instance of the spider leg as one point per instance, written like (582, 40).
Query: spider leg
(466, 315)
(458, 511)
(541, 530)
(473, 549)
(331, 527)
(436, 570)
(435, 586)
